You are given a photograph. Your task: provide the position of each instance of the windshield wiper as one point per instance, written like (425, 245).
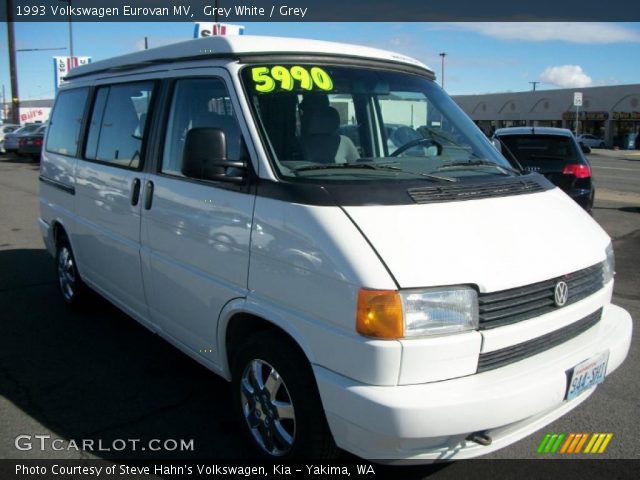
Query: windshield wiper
(478, 163)
(369, 166)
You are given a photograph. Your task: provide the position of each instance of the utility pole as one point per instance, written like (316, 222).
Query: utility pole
(534, 85)
(13, 72)
(146, 43)
(443, 54)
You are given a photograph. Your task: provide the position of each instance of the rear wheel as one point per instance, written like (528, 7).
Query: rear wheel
(70, 284)
(277, 400)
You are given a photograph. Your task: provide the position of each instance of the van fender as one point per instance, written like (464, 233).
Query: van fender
(246, 306)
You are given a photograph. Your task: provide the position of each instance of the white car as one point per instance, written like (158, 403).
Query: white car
(4, 129)
(591, 141)
(405, 303)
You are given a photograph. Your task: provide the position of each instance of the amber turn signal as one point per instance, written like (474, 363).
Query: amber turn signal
(379, 314)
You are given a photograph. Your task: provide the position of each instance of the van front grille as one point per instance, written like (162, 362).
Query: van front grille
(517, 304)
(515, 353)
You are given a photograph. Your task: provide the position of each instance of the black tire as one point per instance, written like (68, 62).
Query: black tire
(308, 430)
(71, 286)
(602, 145)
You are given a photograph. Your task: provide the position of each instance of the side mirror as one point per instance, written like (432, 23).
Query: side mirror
(497, 144)
(584, 148)
(205, 157)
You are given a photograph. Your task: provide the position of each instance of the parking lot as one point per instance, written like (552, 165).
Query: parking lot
(97, 374)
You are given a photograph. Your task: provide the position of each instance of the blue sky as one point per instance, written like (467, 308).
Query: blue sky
(481, 57)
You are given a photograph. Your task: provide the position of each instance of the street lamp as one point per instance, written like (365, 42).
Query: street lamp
(443, 54)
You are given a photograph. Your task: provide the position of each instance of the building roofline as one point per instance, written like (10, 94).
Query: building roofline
(552, 90)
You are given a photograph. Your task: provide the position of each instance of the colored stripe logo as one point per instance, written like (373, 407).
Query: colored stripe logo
(572, 443)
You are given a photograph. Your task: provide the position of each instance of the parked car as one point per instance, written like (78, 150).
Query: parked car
(553, 152)
(4, 129)
(397, 306)
(591, 141)
(12, 140)
(31, 144)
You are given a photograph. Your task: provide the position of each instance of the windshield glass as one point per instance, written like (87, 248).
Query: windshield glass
(29, 128)
(344, 123)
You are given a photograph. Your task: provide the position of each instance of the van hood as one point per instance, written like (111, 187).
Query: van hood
(494, 243)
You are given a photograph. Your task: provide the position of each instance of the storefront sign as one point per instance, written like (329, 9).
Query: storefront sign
(62, 66)
(212, 29)
(626, 115)
(594, 116)
(33, 115)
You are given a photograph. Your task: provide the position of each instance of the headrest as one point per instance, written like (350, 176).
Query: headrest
(322, 121)
(313, 101)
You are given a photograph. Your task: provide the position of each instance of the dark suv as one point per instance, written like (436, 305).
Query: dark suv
(554, 153)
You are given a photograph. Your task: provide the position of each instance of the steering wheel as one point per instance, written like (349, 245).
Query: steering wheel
(415, 143)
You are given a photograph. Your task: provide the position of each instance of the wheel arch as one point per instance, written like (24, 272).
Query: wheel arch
(58, 228)
(238, 323)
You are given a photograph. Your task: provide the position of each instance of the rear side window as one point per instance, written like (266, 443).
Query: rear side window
(65, 122)
(118, 122)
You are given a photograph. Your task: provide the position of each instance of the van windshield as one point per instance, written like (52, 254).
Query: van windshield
(342, 123)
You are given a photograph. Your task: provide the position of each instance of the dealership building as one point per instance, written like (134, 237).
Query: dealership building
(611, 113)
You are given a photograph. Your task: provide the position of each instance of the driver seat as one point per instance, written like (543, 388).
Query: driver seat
(322, 143)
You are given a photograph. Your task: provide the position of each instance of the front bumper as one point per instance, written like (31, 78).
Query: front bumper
(431, 421)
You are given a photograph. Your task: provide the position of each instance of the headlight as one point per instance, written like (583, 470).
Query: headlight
(415, 313)
(435, 312)
(609, 265)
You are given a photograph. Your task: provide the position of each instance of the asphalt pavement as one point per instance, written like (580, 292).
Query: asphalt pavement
(97, 374)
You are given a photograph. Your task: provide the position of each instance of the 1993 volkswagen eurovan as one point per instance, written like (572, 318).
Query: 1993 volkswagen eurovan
(321, 225)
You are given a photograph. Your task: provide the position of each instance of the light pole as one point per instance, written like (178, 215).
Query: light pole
(68, 2)
(443, 54)
(534, 85)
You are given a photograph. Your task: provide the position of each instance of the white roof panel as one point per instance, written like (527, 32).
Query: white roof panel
(241, 45)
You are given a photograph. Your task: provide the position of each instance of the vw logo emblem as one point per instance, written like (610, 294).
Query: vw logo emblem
(561, 294)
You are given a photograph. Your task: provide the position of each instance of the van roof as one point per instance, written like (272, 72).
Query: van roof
(235, 46)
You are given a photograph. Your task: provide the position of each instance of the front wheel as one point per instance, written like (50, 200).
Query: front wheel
(277, 400)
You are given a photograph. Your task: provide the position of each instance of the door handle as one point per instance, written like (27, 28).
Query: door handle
(148, 194)
(135, 191)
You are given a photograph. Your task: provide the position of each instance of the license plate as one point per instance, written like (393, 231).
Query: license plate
(587, 374)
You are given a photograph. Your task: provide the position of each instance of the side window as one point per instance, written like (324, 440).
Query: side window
(199, 102)
(65, 122)
(118, 123)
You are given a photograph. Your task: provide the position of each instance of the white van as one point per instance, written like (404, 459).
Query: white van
(322, 226)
